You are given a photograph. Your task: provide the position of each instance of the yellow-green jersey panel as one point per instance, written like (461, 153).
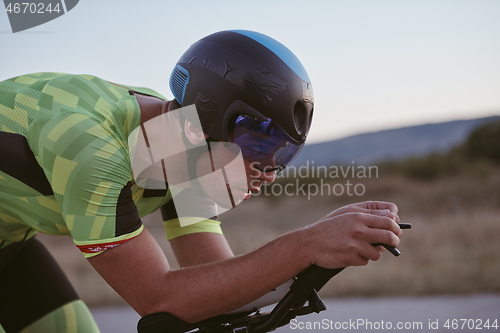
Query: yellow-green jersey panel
(65, 166)
(76, 127)
(78, 179)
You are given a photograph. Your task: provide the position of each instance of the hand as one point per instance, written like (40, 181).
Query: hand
(370, 207)
(345, 237)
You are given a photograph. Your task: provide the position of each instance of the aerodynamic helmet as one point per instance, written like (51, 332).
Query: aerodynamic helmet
(247, 89)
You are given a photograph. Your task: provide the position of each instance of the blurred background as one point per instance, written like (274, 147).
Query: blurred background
(408, 88)
(452, 199)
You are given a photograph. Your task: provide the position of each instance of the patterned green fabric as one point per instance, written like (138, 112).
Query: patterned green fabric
(77, 126)
(19, 101)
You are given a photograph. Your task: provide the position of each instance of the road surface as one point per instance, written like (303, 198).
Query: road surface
(423, 314)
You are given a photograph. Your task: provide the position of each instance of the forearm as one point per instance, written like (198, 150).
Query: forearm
(223, 286)
(139, 271)
(198, 292)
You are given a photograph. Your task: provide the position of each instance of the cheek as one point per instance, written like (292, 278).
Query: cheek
(253, 176)
(251, 171)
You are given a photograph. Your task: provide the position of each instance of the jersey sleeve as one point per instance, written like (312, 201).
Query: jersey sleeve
(204, 207)
(81, 146)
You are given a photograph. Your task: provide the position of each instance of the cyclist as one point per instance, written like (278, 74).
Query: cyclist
(66, 168)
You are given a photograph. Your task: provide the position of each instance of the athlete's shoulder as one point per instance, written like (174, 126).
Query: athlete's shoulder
(33, 77)
(56, 84)
(142, 90)
(89, 86)
(27, 84)
(84, 82)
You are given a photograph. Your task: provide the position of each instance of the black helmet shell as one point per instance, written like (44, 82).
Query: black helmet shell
(232, 73)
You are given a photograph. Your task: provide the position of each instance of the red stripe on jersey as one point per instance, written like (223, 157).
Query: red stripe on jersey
(94, 248)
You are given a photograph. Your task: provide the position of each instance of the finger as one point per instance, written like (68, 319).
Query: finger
(390, 215)
(383, 222)
(361, 261)
(370, 252)
(370, 207)
(391, 249)
(384, 238)
(359, 209)
(380, 205)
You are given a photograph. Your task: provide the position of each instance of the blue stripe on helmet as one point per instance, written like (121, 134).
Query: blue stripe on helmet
(178, 82)
(280, 50)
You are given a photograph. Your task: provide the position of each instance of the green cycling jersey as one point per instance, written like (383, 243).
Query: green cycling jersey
(67, 168)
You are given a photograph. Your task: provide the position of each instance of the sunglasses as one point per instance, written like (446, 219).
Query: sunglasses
(263, 143)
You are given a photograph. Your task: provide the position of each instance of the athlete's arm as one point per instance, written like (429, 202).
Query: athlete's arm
(200, 248)
(139, 271)
(205, 244)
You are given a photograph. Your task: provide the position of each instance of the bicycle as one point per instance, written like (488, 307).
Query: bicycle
(301, 299)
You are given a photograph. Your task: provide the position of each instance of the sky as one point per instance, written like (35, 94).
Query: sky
(374, 64)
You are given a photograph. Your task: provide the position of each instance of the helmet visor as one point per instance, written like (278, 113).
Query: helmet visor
(264, 144)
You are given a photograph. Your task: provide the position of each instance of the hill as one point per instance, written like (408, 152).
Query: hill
(393, 144)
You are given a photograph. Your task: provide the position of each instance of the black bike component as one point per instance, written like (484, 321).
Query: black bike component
(162, 322)
(315, 302)
(392, 249)
(303, 290)
(307, 281)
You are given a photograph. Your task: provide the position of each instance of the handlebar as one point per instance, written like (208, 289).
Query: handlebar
(302, 291)
(301, 299)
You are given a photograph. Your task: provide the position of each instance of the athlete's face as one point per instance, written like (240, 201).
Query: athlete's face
(229, 173)
(259, 156)
(226, 177)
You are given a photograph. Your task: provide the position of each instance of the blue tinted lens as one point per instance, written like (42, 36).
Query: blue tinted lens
(264, 142)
